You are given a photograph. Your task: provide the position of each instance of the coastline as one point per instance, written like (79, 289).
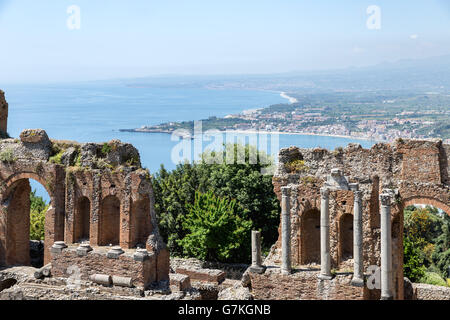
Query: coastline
(298, 134)
(261, 132)
(291, 99)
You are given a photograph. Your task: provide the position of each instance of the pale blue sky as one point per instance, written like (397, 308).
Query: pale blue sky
(149, 37)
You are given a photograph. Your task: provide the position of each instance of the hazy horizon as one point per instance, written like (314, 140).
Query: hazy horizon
(120, 40)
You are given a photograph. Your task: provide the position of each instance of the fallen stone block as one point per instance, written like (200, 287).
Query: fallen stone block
(179, 282)
(122, 281)
(103, 279)
(204, 275)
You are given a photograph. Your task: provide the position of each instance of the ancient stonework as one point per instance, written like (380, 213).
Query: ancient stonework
(3, 113)
(102, 239)
(410, 171)
(99, 194)
(304, 285)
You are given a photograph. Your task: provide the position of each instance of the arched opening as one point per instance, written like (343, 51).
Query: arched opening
(426, 242)
(82, 219)
(310, 231)
(24, 211)
(141, 224)
(346, 236)
(110, 221)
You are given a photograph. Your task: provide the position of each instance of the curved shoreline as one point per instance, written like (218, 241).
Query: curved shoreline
(300, 134)
(262, 132)
(291, 99)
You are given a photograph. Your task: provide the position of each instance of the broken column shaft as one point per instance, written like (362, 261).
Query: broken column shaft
(386, 247)
(285, 231)
(358, 260)
(325, 258)
(256, 266)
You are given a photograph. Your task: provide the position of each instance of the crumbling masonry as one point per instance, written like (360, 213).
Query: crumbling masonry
(342, 214)
(100, 219)
(346, 218)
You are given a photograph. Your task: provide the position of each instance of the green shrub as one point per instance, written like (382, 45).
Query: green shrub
(413, 267)
(253, 192)
(38, 208)
(215, 230)
(57, 157)
(433, 278)
(102, 163)
(295, 166)
(7, 155)
(426, 242)
(106, 148)
(78, 160)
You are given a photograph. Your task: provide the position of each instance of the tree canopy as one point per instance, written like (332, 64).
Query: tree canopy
(243, 182)
(426, 245)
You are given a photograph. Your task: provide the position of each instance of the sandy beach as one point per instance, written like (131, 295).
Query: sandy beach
(291, 99)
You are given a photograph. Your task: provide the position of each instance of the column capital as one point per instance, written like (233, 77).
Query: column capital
(358, 195)
(324, 193)
(256, 233)
(286, 191)
(353, 186)
(385, 199)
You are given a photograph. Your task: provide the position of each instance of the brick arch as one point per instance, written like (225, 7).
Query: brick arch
(140, 220)
(427, 200)
(110, 220)
(15, 231)
(310, 236)
(12, 179)
(345, 236)
(82, 219)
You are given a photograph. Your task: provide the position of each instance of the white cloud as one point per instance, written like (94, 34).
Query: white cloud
(413, 36)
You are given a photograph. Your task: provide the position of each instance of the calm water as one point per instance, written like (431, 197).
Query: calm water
(93, 112)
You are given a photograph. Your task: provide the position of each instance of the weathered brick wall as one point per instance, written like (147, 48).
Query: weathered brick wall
(205, 275)
(417, 169)
(119, 196)
(78, 179)
(304, 285)
(420, 160)
(97, 262)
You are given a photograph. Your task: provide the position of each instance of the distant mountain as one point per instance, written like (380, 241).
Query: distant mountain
(421, 75)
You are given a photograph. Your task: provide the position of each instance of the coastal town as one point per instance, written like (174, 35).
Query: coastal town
(388, 121)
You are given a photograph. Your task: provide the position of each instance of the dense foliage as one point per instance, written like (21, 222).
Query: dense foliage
(426, 245)
(242, 182)
(38, 208)
(216, 232)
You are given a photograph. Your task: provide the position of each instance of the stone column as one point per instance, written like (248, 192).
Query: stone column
(325, 258)
(285, 231)
(358, 260)
(256, 266)
(386, 247)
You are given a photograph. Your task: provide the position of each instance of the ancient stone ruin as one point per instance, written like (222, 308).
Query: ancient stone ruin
(100, 220)
(101, 234)
(99, 194)
(3, 114)
(342, 217)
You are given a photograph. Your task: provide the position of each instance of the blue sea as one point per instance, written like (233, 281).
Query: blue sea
(95, 111)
